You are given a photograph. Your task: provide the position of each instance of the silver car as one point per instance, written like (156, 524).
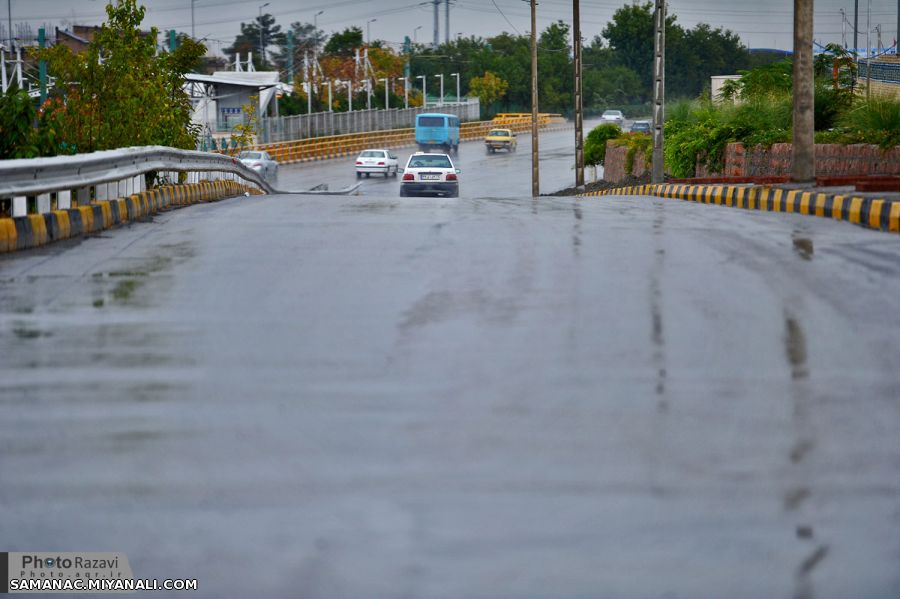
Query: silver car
(261, 162)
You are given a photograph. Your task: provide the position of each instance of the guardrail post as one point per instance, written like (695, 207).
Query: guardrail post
(43, 203)
(101, 192)
(83, 195)
(20, 206)
(64, 200)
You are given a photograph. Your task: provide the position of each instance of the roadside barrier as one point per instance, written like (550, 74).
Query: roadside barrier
(873, 213)
(35, 230)
(338, 146)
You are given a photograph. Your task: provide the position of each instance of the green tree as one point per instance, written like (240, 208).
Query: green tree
(555, 69)
(345, 42)
(489, 88)
(595, 143)
(307, 40)
(262, 29)
(131, 97)
(17, 139)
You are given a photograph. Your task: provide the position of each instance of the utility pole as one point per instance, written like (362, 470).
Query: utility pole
(193, 31)
(386, 97)
(535, 169)
(10, 32)
(658, 172)
(446, 21)
(855, 28)
(437, 13)
(579, 124)
(804, 168)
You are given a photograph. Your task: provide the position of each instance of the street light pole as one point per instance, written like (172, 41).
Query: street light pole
(457, 85)
(441, 77)
(262, 51)
(405, 91)
(316, 36)
(424, 95)
(193, 32)
(386, 88)
(416, 30)
(369, 37)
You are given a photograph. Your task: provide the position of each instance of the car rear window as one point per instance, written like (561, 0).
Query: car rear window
(431, 121)
(372, 154)
(429, 161)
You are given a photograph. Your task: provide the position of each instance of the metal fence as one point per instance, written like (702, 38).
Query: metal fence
(320, 124)
(886, 72)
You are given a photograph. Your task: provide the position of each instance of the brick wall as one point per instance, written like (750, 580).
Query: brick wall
(614, 166)
(831, 159)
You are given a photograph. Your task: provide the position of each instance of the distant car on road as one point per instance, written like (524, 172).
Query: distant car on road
(261, 162)
(641, 127)
(378, 160)
(500, 139)
(613, 116)
(430, 173)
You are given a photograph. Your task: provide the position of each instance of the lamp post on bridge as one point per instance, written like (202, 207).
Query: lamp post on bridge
(262, 50)
(441, 77)
(424, 94)
(405, 81)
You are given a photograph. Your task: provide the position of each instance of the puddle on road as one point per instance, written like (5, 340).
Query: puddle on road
(803, 246)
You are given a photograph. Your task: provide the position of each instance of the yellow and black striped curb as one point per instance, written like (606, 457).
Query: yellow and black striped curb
(874, 213)
(34, 230)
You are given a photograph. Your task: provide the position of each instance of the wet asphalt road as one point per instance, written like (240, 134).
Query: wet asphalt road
(365, 396)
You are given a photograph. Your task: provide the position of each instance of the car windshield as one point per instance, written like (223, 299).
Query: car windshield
(372, 154)
(250, 155)
(612, 113)
(430, 161)
(499, 132)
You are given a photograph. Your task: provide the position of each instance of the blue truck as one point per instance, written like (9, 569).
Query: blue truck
(437, 131)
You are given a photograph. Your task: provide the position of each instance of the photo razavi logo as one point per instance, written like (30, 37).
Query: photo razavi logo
(78, 565)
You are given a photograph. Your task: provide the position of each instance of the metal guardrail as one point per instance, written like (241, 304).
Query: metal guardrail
(320, 148)
(105, 175)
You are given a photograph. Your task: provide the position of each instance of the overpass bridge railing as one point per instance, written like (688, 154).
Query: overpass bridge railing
(320, 148)
(321, 124)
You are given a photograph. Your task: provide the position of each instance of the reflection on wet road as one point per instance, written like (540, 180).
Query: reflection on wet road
(347, 397)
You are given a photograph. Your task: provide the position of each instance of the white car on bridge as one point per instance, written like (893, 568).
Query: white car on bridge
(377, 160)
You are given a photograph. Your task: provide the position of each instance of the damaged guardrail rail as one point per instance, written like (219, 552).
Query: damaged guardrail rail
(45, 199)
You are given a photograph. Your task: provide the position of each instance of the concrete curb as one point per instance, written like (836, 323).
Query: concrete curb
(35, 230)
(874, 213)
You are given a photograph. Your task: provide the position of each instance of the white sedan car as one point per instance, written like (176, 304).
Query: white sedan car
(614, 117)
(377, 160)
(430, 173)
(261, 162)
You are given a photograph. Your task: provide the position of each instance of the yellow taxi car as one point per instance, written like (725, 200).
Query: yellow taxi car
(500, 139)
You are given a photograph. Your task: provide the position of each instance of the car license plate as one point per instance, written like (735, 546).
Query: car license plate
(430, 177)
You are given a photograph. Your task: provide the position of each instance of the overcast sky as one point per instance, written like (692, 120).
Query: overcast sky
(759, 23)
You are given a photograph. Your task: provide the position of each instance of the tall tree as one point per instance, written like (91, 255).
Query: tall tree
(255, 37)
(345, 42)
(307, 40)
(133, 96)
